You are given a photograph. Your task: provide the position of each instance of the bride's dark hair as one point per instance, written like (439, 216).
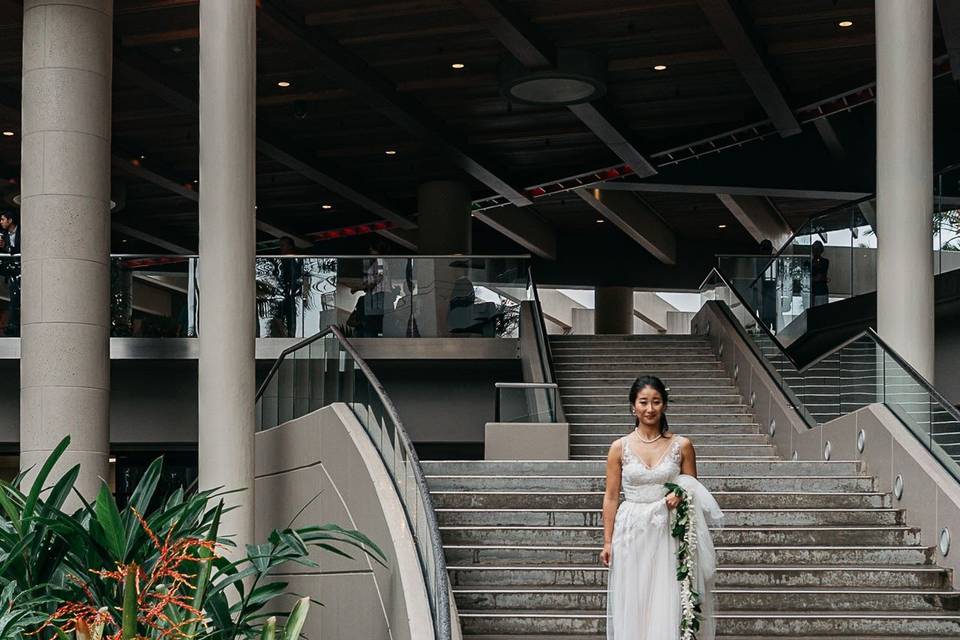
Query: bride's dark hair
(657, 385)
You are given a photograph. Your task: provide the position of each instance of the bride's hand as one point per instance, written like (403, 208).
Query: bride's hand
(605, 554)
(672, 501)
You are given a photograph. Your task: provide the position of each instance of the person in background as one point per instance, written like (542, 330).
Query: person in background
(10, 243)
(819, 275)
(767, 305)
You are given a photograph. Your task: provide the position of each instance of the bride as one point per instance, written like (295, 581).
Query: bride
(643, 593)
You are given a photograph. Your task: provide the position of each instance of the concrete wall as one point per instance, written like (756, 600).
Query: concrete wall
(445, 401)
(931, 497)
(328, 452)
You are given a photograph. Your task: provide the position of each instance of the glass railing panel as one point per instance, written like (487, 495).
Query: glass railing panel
(526, 402)
(324, 370)
(434, 297)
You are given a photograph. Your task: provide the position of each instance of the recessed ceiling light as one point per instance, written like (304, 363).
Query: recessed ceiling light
(283, 84)
(391, 152)
(721, 226)
(458, 65)
(599, 220)
(326, 206)
(659, 67)
(9, 134)
(143, 156)
(845, 24)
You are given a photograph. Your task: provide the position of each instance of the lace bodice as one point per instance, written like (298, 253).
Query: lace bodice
(641, 483)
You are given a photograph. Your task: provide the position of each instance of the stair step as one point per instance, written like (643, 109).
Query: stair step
(587, 517)
(559, 598)
(535, 499)
(704, 451)
(598, 482)
(676, 421)
(699, 440)
(763, 624)
(594, 467)
(861, 576)
(730, 536)
(623, 428)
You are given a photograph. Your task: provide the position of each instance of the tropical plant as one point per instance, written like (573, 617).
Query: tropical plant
(163, 572)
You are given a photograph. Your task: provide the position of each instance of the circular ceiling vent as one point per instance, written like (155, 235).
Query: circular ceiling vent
(579, 77)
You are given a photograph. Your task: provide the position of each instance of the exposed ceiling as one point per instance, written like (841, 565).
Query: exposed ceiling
(368, 76)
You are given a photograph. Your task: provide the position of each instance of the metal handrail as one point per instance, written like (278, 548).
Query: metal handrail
(546, 366)
(928, 388)
(441, 613)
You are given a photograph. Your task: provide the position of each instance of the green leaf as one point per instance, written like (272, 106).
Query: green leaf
(140, 500)
(269, 629)
(129, 620)
(41, 479)
(108, 517)
(291, 630)
(8, 507)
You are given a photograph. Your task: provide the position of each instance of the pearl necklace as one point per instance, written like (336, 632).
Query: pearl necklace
(641, 438)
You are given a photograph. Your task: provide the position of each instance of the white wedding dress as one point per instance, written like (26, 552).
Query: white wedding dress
(643, 594)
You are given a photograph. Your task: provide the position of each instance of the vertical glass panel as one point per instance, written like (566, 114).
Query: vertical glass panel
(526, 404)
(285, 386)
(270, 403)
(302, 381)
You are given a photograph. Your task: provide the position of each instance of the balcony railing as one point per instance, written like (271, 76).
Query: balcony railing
(297, 296)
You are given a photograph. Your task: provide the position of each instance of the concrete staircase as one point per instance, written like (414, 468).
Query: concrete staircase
(810, 550)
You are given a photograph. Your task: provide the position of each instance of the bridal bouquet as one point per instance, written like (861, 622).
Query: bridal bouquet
(684, 531)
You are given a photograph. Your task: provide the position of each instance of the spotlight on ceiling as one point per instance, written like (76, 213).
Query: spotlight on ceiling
(579, 77)
(721, 226)
(283, 84)
(391, 152)
(458, 65)
(659, 67)
(9, 134)
(599, 220)
(845, 24)
(326, 206)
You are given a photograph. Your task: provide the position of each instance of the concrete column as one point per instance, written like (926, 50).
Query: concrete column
(443, 208)
(226, 270)
(614, 310)
(905, 296)
(65, 222)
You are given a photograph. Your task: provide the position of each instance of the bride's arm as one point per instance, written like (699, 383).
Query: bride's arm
(688, 460)
(611, 499)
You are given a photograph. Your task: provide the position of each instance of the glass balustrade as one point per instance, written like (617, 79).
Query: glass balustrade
(325, 369)
(525, 402)
(862, 371)
(297, 296)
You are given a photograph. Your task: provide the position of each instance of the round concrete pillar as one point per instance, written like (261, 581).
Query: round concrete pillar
(444, 218)
(65, 222)
(905, 295)
(226, 382)
(613, 311)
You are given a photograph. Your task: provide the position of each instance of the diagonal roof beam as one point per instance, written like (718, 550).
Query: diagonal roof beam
(151, 77)
(349, 71)
(759, 217)
(735, 32)
(636, 219)
(152, 239)
(528, 47)
(523, 227)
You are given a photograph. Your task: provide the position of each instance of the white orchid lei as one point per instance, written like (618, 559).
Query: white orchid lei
(684, 531)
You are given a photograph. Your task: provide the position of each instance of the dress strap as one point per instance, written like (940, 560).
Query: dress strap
(625, 450)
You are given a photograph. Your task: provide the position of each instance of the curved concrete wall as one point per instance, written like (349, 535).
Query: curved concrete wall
(328, 452)
(931, 497)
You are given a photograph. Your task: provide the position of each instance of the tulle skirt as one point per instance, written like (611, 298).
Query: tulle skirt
(643, 594)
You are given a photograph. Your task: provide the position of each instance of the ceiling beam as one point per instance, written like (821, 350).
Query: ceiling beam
(949, 12)
(349, 71)
(163, 84)
(150, 238)
(636, 219)
(747, 52)
(523, 227)
(533, 51)
(768, 192)
(403, 237)
(760, 218)
(830, 139)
